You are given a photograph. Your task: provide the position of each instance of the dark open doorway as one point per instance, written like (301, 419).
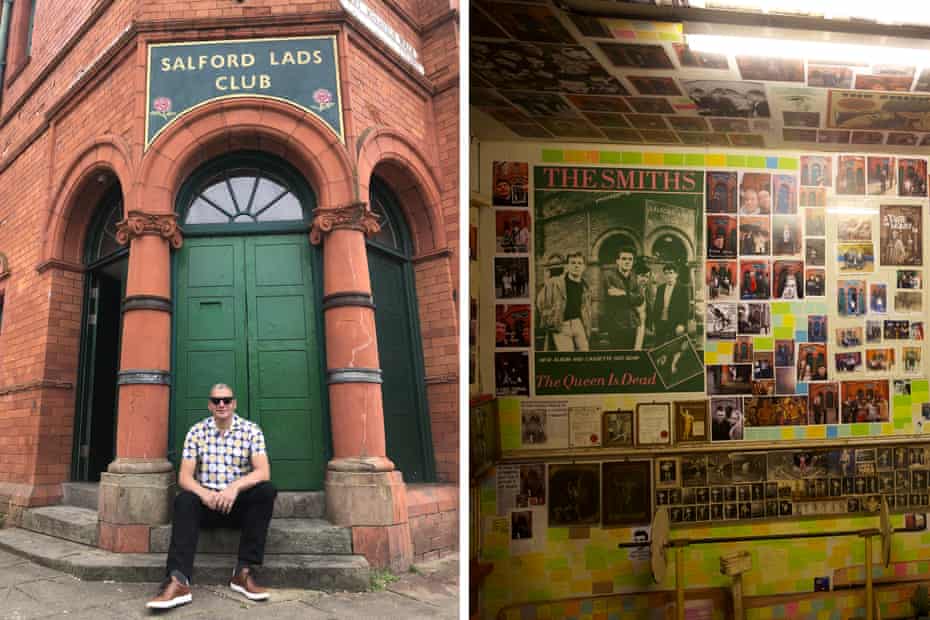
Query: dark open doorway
(104, 287)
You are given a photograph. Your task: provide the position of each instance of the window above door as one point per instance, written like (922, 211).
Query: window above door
(245, 192)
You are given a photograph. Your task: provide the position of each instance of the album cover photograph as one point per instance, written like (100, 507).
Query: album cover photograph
(849, 336)
(755, 193)
(721, 191)
(627, 493)
(815, 282)
(574, 494)
(854, 228)
(815, 252)
(721, 280)
(721, 321)
(755, 235)
(726, 419)
(814, 222)
(786, 235)
(850, 175)
(755, 280)
(881, 176)
(864, 401)
(817, 170)
(901, 234)
(618, 429)
(691, 421)
(908, 302)
(855, 257)
(754, 318)
(823, 403)
(910, 279)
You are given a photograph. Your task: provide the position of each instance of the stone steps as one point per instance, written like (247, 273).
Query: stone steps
(80, 494)
(68, 522)
(285, 536)
(288, 505)
(317, 572)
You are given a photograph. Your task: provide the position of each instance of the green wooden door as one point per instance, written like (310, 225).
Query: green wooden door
(405, 422)
(246, 315)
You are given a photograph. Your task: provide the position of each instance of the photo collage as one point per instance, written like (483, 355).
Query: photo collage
(789, 483)
(510, 200)
(788, 254)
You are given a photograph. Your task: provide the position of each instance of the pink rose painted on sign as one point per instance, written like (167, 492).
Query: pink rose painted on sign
(162, 107)
(323, 98)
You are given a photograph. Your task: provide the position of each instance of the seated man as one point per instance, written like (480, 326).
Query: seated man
(232, 489)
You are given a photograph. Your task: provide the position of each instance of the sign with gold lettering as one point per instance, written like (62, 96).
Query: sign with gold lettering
(302, 71)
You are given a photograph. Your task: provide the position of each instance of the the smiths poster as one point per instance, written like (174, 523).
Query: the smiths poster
(617, 273)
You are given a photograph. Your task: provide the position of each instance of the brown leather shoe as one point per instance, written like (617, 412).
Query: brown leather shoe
(244, 584)
(173, 593)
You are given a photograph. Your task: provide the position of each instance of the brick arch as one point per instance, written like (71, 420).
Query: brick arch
(238, 124)
(77, 196)
(394, 158)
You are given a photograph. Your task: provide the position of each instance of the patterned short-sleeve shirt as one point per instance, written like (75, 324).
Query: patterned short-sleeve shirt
(224, 459)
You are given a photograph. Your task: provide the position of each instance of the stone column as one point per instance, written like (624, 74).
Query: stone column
(137, 488)
(363, 490)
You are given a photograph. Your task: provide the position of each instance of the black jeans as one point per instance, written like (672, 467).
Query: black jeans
(251, 513)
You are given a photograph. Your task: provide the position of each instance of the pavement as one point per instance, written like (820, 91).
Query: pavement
(29, 591)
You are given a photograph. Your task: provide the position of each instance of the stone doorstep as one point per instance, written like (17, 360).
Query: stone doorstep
(67, 522)
(80, 494)
(285, 536)
(318, 572)
(288, 505)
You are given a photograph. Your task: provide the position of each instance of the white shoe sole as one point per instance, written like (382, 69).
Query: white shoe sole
(247, 594)
(178, 600)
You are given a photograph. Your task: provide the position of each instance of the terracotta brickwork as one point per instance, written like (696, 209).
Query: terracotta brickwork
(72, 120)
(433, 511)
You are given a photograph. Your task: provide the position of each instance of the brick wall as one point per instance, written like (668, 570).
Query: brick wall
(434, 524)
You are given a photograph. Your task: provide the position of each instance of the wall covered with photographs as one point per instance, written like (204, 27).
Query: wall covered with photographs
(736, 336)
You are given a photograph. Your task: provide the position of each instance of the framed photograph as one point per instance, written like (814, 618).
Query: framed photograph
(627, 493)
(667, 473)
(653, 424)
(574, 494)
(690, 421)
(484, 436)
(618, 429)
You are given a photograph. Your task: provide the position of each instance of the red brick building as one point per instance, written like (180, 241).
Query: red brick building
(303, 252)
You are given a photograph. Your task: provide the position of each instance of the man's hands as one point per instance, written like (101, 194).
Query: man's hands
(220, 501)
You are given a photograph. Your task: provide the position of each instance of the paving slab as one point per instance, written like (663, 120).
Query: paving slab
(29, 591)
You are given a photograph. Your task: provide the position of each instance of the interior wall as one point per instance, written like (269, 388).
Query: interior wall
(580, 560)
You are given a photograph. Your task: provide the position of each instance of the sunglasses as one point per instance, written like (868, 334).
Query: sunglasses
(225, 400)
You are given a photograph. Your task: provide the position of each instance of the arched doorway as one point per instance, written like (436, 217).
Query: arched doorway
(400, 350)
(106, 263)
(247, 298)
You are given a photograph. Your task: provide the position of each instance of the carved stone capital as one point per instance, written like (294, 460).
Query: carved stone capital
(353, 216)
(139, 223)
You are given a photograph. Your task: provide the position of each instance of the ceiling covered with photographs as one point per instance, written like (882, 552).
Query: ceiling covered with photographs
(546, 73)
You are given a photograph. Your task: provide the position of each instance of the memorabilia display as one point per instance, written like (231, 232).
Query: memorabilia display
(653, 424)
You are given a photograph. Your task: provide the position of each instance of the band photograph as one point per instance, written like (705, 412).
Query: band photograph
(630, 289)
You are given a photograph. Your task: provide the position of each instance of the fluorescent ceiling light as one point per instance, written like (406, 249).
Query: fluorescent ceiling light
(909, 12)
(811, 50)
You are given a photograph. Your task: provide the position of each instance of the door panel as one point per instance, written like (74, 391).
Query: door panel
(404, 410)
(284, 358)
(247, 310)
(211, 334)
